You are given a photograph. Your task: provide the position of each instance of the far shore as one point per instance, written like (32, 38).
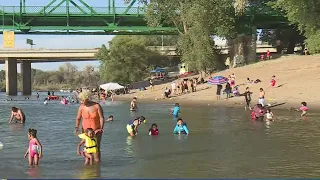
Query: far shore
(297, 81)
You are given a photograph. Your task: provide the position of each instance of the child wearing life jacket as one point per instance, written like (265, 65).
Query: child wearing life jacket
(89, 140)
(304, 108)
(181, 127)
(153, 131)
(35, 148)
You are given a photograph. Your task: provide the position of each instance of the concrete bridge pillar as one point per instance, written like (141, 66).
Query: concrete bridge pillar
(11, 76)
(26, 77)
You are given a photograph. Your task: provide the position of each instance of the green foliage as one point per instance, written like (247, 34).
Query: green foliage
(306, 15)
(127, 60)
(288, 37)
(68, 76)
(197, 21)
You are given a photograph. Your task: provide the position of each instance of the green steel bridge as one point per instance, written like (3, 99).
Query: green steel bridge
(68, 17)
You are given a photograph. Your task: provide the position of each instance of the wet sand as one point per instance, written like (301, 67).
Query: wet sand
(297, 80)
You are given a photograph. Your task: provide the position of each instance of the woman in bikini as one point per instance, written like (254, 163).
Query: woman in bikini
(91, 115)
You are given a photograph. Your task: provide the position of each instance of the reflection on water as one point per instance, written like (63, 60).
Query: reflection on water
(223, 142)
(89, 172)
(34, 172)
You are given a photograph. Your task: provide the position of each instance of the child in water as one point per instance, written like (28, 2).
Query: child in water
(89, 140)
(269, 115)
(304, 108)
(132, 126)
(35, 148)
(176, 110)
(110, 118)
(181, 127)
(153, 131)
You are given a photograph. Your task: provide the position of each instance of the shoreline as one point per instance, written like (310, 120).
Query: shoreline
(297, 81)
(209, 103)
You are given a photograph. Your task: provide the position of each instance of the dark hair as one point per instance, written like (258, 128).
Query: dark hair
(154, 124)
(177, 104)
(14, 109)
(141, 118)
(248, 78)
(134, 97)
(269, 109)
(110, 116)
(179, 119)
(88, 130)
(247, 88)
(304, 103)
(32, 132)
(261, 89)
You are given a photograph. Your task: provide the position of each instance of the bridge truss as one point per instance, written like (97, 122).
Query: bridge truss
(78, 17)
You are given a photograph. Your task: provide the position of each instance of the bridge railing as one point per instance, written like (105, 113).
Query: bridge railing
(71, 10)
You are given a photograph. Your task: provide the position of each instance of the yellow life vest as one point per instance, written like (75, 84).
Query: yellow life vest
(91, 144)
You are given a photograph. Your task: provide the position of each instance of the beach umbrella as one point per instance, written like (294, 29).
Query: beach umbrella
(218, 80)
(111, 86)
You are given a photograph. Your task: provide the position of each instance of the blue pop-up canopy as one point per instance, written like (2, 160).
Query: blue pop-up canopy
(158, 70)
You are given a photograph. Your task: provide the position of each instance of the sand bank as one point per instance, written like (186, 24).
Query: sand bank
(297, 76)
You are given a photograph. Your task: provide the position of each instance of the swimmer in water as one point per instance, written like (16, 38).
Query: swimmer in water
(45, 102)
(35, 148)
(269, 116)
(110, 118)
(153, 131)
(132, 126)
(89, 140)
(181, 127)
(304, 108)
(133, 104)
(18, 115)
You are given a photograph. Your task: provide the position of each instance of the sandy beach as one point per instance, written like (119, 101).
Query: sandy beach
(298, 77)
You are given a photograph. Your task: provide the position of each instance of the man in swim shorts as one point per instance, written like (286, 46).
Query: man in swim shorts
(18, 115)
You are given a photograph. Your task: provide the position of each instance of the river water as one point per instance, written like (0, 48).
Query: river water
(223, 142)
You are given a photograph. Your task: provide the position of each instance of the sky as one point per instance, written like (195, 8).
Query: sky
(63, 41)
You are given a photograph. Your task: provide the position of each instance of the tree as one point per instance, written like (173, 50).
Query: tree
(306, 15)
(282, 38)
(127, 60)
(197, 22)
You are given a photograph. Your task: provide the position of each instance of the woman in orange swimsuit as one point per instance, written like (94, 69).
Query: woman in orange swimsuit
(91, 115)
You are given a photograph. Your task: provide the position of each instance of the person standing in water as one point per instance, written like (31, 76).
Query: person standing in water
(133, 104)
(175, 111)
(38, 96)
(91, 115)
(35, 148)
(18, 115)
(132, 126)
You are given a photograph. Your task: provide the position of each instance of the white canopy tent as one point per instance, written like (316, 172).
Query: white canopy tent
(111, 86)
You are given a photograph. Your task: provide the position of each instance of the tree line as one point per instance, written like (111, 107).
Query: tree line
(68, 76)
(128, 60)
